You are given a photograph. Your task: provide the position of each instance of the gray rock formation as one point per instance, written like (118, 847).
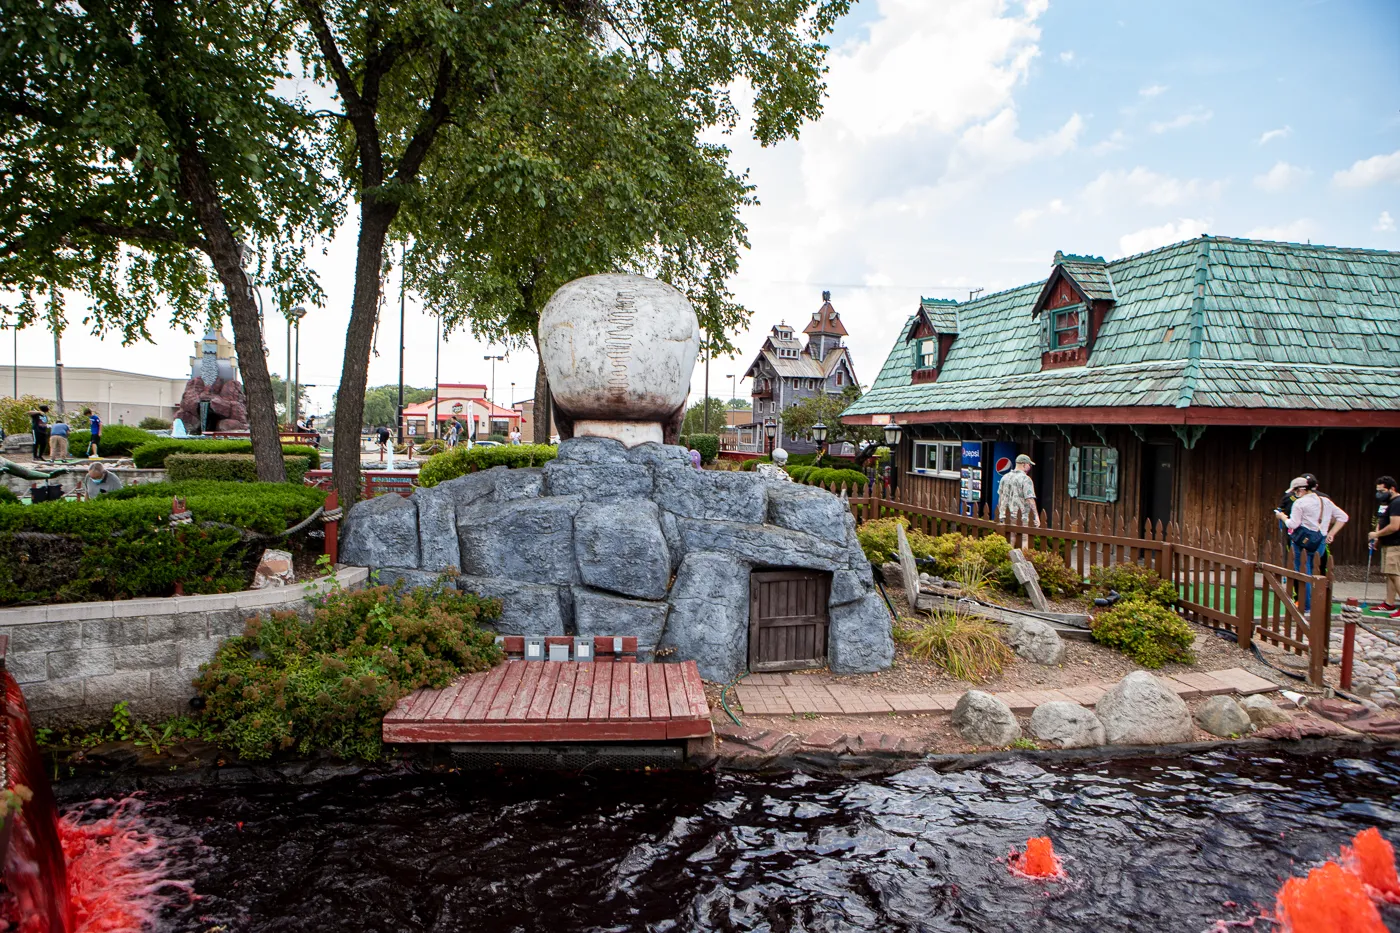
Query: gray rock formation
(529, 540)
(597, 480)
(526, 608)
(1037, 642)
(860, 640)
(438, 509)
(383, 534)
(804, 508)
(710, 615)
(710, 495)
(1222, 716)
(763, 545)
(1262, 711)
(982, 719)
(621, 548)
(1066, 725)
(601, 614)
(1140, 710)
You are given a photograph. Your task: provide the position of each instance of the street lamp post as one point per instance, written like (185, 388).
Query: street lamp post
(819, 435)
(298, 313)
(402, 278)
(491, 414)
(770, 429)
(893, 433)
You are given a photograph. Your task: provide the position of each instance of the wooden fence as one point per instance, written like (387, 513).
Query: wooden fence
(1216, 586)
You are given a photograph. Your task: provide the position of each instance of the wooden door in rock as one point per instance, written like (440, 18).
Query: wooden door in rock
(788, 619)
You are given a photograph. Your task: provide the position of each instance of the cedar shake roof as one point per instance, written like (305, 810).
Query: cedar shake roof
(1214, 322)
(825, 320)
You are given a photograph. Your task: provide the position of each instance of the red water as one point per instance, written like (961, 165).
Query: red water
(117, 879)
(1329, 900)
(1372, 859)
(1038, 861)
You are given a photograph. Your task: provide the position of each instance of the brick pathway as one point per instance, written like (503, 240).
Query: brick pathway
(785, 694)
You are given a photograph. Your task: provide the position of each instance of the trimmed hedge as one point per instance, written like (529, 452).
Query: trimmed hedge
(152, 455)
(267, 508)
(1146, 631)
(8, 497)
(237, 468)
(827, 476)
(118, 440)
(459, 461)
(707, 444)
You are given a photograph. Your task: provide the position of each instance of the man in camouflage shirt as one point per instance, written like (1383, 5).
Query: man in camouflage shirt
(1016, 495)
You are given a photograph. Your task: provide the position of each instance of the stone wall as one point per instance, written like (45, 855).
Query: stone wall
(74, 660)
(608, 540)
(75, 472)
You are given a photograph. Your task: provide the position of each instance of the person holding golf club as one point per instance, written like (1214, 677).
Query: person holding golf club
(1387, 538)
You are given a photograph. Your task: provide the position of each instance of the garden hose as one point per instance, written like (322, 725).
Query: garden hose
(725, 702)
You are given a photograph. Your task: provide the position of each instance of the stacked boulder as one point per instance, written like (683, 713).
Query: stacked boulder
(611, 540)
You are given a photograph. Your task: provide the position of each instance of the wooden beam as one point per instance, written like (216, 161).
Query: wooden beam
(1254, 434)
(1313, 435)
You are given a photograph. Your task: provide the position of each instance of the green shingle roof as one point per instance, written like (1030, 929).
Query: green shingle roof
(942, 314)
(1279, 325)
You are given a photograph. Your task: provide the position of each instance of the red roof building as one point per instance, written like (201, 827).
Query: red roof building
(461, 401)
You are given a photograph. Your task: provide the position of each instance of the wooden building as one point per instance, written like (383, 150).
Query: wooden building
(1186, 384)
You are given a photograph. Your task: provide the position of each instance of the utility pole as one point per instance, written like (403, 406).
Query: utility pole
(491, 413)
(57, 376)
(437, 376)
(402, 279)
(706, 419)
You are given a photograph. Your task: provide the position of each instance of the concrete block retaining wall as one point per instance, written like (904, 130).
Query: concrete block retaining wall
(74, 660)
(75, 472)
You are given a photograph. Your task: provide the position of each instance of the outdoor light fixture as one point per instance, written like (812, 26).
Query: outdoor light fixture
(892, 434)
(819, 433)
(770, 428)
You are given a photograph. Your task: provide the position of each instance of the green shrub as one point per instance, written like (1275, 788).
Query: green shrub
(459, 461)
(1145, 631)
(498, 438)
(1131, 580)
(7, 497)
(14, 412)
(880, 540)
(968, 649)
(267, 508)
(118, 440)
(326, 684)
(238, 468)
(152, 423)
(152, 455)
(949, 553)
(707, 444)
(749, 465)
(833, 478)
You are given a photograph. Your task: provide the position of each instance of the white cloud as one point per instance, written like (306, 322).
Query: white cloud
(1140, 241)
(1067, 57)
(1152, 90)
(1367, 172)
(1384, 223)
(1281, 177)
(1190, 117)
(1282, 132)
(1295, 232)
(1030, 215)
(1115, 187)
(1112, 143)
(994, 145)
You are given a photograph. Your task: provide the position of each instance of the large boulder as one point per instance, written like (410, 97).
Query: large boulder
(859, 638)
(1066, 725)
(601, 614)
(1037, 642)
(528, 540)
(656, 455)
(709, 621)
(597, 480)
(518, 483)
(762, 545)
(982, 719)
(806, 509)
(847, 586)
(1222, 716)
(621, 548)
(710, 494)
(381, 532)
(1141, 710)
(1262, 711)
(592, 450)
(16, 442)
(438, 507)
(526, 608)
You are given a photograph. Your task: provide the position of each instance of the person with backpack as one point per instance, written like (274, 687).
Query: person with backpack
(1387, 538)
(1312, 523)
(39, 427)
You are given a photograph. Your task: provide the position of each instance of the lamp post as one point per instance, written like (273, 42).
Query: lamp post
(298, 313)
(402, 282)
(770, 429)
(491, 414)
(819, 435)
(893, 433)
(437, 380)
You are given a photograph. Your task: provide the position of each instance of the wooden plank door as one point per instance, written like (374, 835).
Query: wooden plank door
(788, 619)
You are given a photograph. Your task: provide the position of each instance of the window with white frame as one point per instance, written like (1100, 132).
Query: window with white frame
(928, 353)
(938, 458)
(1093, 474)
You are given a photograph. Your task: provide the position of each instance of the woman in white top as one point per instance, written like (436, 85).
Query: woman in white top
(1312, 524)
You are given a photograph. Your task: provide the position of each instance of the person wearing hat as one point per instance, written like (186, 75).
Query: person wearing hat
(1311, 524)
(1016, 494)
(99, 480)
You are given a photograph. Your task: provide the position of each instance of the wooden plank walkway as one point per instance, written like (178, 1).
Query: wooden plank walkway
(557, 701)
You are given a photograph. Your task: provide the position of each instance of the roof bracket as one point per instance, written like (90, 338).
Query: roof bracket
(1065, 431)
(1189, 433)
(1138, 432)
(1254, 435)
(1102, 437)
(1313, 435)
(1367, 437)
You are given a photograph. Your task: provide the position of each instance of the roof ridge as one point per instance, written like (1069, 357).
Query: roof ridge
(1180, 244)
(1316, 246)
(1191, 375)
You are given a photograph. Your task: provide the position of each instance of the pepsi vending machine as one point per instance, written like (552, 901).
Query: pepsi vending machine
(970, 484)
(1003, 459)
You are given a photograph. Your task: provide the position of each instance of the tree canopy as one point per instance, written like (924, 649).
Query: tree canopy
(799, 417)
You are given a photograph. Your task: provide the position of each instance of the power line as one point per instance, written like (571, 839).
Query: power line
(908, 288)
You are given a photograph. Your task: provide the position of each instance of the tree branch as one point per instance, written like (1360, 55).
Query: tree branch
(143, 232)
(432, 120)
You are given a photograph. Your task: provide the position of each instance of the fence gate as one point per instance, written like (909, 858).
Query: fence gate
(788, 619)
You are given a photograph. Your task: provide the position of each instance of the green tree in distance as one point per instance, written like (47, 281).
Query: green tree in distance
(799, 418)
(694, 422)
(146, 158)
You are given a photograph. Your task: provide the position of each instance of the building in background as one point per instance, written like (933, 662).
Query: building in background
(1188, 384)
(461, 401)
(118, 397)
(787, 371)
(526, 408)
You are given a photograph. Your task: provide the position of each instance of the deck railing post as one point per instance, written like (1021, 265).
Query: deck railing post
(1317, 629)
(1351, 614)
(1244, 603)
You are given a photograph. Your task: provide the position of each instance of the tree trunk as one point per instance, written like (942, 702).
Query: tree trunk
(375, 219)
(543, 403)
(243, 315)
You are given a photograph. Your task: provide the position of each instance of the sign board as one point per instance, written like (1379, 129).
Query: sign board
(456, 408)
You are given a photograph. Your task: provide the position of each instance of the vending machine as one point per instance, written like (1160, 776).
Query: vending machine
(970, 485)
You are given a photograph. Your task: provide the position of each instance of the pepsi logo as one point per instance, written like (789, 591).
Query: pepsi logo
(1003, 464)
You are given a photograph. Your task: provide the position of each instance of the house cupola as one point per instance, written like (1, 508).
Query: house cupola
(825, 330)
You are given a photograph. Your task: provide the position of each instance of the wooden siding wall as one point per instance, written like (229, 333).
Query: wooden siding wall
(1220, 485)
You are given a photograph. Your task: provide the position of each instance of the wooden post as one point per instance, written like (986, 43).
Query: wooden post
(1244, 604)
(333, 528)
(1351, 612)
(1317, 629)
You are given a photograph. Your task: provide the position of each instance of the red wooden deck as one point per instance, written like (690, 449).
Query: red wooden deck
(557, 701)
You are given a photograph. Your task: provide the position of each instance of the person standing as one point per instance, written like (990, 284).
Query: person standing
(1312, 523)
(1016, 495)
(39, 427)
(1387, 538)
(58, 441)
(94, 432)
(383, 440)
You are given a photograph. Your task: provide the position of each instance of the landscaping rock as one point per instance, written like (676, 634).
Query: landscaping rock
(1066, 725)
(529, 540)
(17, 442)
(411, 579)
(1262, 712)
(526, 608)
(1222, 716)
(274, 569)
(520, 483)
(656, 455)
(592, 450)
(1037, 642)
(600, 614)
(982, 719)
(806, 509)
(438, 510)
(597, 480)
(859, 638)
(709, 494)
(762, 545)
(1140, 710)
(381, 532)
(620, 548)
(847, 586)
(709, 621)
(891, 573)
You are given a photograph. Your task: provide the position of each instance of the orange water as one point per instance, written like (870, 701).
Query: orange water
(1038, 861)
(1329, 900)
(1371, 858)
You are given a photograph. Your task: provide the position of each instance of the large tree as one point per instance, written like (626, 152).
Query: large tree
(144, 156)
(826, 409)
(417, 78)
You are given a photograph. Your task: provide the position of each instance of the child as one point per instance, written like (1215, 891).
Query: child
(95, 429)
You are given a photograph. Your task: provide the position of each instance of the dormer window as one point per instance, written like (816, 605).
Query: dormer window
(932, 332)
(1073, 304)
(928, 353)
(1066, 327)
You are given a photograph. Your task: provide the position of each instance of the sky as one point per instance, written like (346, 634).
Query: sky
(964, 142)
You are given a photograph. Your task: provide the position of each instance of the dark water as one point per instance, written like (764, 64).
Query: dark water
(1149, 844)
